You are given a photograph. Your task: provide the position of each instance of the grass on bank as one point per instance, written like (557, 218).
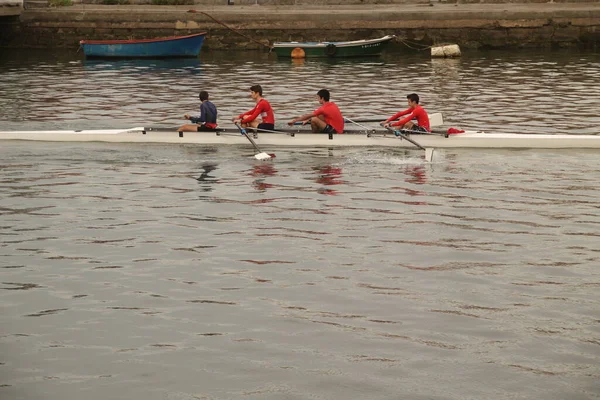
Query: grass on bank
(60, 3)
(172, 2)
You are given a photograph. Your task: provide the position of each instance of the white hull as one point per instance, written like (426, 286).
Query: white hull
(469, 139)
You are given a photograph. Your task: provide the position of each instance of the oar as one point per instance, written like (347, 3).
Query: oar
(359, 125)
(435, 119)
(302, 123)
(366, 128)
(428, 151)
(373, 119)
(174, 128)
(270, 131)
(260, 155)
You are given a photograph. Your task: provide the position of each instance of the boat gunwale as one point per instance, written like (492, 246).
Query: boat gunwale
(374, 133)
(468, 139)
(140, 41)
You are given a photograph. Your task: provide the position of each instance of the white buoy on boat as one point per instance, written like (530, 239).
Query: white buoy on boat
(448, 50)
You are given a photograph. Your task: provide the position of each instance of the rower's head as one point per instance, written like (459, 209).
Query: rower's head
(413, 99)
(255, 90)
(323, 95)
(203, 95)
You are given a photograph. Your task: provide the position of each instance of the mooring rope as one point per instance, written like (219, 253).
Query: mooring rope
(230, 28)
(415, 45)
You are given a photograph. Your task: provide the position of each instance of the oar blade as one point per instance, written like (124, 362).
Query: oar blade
(429, 154)
(263, 156)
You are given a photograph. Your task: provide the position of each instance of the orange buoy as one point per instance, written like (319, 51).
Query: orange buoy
(298, 52)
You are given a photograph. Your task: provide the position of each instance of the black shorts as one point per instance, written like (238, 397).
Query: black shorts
(204, 128)
(265, 126)
(417, 128)
(328, 129)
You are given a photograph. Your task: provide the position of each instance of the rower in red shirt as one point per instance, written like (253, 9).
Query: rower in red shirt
(414, 111)
(262, 109)
(325, 119)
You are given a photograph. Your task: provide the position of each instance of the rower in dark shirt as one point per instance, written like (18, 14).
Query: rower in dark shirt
(206, 121)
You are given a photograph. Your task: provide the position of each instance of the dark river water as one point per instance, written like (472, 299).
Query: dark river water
(144, 271)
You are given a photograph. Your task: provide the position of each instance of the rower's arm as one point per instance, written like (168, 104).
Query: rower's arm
(305, 117)
(405, 120)
(398, 115)
(244, 115)
(254, 113)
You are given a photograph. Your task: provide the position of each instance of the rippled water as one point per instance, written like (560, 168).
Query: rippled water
(189, 272)
(497, 91)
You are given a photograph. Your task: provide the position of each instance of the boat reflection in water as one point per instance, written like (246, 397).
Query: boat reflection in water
(143, 66)
(205, 178)
(328, 176)
(416, 174)
(262, 171)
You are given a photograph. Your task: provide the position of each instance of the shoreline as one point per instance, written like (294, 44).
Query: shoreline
(471, 26)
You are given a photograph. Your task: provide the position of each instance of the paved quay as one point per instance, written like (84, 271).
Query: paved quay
(481, 25)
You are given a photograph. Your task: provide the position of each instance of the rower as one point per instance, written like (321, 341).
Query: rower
(414, 112)
(206, 121)
(325, 119)
(262, 109)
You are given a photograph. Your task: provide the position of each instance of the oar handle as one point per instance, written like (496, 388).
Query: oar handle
(242, 130)
(301, 123)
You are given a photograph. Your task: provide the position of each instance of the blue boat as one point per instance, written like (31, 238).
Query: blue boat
(173, 46)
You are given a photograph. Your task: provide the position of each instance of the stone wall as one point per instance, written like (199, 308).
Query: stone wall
(325, 3)
(338, 2)
(255, 27)
(10, 8)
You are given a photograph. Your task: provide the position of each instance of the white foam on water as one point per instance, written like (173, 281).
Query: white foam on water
(386, 158)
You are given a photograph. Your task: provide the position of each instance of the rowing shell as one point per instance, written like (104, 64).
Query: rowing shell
(469, 139)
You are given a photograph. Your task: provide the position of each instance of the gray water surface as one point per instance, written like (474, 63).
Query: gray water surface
(546, 92)
(133, 271)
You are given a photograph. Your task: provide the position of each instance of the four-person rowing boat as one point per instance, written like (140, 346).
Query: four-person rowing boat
(300, 137)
